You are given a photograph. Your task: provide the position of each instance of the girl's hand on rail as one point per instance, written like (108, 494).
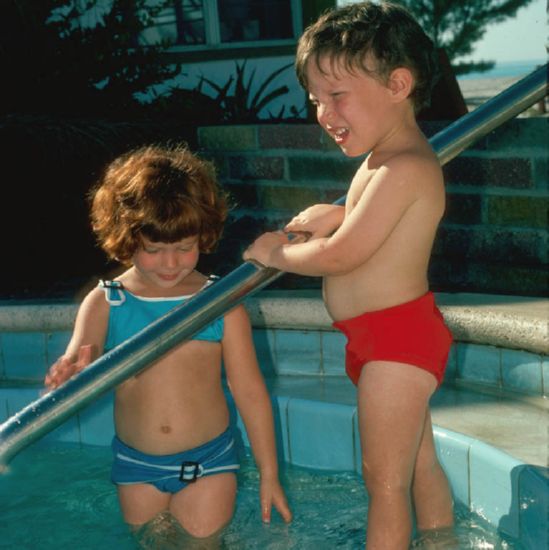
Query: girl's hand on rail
(64, 368)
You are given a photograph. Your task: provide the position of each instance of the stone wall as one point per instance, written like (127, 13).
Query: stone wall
(493, 238)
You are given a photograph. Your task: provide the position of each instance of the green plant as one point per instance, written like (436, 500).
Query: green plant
(235, 96)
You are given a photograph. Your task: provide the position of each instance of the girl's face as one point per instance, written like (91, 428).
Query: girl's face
(167, 264)
(355, 109)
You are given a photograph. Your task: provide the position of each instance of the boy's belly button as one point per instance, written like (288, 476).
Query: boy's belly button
(165, 429)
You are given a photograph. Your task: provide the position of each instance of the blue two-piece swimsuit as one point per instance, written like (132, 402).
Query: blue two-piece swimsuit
(128, 315)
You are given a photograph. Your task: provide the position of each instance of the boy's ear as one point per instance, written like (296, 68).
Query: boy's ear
(401, 83)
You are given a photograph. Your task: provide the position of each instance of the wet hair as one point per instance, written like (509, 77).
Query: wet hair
(385, 33)
(165, 194)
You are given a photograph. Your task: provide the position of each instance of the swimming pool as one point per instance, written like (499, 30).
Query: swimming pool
(76, 492)
(315, 406)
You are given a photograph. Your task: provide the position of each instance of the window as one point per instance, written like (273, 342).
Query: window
(245, 20)
(189, 22)
(214, 23)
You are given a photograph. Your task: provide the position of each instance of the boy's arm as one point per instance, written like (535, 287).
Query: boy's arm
(253, 402)
(87, 341)
(319, 220)
(382, 204)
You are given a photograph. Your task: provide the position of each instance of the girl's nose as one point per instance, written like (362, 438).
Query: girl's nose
(169, 259)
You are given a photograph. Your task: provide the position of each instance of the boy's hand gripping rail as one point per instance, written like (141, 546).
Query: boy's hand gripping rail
(181, 323)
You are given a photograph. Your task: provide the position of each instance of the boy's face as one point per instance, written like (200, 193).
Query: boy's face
(166, 264)
(354, 108)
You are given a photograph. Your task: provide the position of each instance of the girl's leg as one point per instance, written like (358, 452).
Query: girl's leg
(392, 404)
(141, 502)
(430, 488)
(204, 507)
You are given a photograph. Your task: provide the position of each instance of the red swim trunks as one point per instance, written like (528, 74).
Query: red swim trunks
(412, 333)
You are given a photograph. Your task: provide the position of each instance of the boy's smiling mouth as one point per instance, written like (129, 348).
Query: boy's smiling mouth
(338, 134)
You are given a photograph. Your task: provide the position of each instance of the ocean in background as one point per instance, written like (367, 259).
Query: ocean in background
(504, 69)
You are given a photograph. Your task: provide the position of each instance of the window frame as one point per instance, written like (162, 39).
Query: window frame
(212, 33)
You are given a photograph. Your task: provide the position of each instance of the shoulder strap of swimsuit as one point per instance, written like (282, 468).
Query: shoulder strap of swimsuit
(114, 292)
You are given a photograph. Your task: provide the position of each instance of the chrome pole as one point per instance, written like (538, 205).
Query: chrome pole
(456, 137)
(139, 351)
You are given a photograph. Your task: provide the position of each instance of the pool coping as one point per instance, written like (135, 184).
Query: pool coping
(514, 322)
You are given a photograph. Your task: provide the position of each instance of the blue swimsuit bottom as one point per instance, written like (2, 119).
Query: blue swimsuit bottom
(171, 473)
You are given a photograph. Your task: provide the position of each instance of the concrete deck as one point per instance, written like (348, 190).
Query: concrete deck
(514, 322)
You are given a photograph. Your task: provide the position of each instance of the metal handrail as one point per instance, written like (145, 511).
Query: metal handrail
(185, 320)
(456, 137)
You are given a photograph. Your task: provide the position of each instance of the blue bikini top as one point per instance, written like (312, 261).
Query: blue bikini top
(129, 314)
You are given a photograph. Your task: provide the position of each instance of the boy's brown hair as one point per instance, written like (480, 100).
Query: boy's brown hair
(165, 194)
(384, 33)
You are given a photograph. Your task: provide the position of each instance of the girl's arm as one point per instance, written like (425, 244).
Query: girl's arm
(87, 341)
(254, 404)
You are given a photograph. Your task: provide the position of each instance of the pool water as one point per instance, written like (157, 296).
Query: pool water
(60, 497)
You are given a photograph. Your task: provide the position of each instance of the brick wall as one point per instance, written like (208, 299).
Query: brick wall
(493, 237)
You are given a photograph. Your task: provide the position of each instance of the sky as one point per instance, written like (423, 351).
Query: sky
(521, 38)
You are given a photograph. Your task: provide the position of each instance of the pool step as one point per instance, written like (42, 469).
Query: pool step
(514, 423)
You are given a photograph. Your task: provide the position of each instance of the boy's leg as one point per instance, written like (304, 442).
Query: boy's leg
(430, 488)
(205, 506)
(392, 405)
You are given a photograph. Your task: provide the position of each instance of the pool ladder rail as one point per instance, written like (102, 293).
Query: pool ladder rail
(180, 324)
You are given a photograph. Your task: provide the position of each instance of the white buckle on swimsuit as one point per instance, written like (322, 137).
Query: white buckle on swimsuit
(113, 292)
(192, 469)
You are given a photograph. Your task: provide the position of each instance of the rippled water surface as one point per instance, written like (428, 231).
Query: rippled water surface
(60, 497)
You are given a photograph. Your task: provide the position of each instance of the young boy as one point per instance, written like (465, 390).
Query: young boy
(367, 68)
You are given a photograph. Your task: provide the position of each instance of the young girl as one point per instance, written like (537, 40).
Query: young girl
(155, 210)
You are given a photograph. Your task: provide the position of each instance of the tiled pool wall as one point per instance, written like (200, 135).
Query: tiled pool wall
(508, 493)
(294, 337)
(290, 352)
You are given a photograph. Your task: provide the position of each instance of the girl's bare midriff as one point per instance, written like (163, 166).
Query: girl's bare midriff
(176, 404)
